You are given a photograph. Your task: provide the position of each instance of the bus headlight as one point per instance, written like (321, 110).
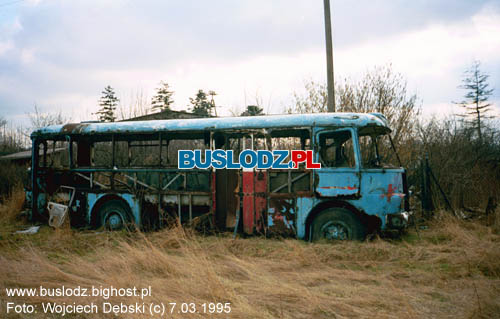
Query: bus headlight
(399, 220)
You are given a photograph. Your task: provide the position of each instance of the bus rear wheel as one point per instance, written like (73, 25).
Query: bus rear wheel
(337, 224)
(114, 215)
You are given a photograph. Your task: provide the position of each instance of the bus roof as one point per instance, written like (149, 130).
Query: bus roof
(217, 123)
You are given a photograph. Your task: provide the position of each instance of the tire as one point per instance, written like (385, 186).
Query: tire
(337, 224)
(115, 215)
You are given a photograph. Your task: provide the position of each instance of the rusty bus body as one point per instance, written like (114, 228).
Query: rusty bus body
(126, 172)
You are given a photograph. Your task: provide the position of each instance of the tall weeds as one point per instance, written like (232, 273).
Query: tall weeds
(449, 269)
(11, 207)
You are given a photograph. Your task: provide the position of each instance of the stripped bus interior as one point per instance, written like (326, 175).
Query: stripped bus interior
(117, 175)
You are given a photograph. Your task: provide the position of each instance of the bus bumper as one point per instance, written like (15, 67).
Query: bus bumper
(397, 221)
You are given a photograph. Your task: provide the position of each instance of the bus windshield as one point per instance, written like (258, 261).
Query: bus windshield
(377, 151)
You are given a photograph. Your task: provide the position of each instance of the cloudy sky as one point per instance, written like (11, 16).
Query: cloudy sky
(60, 54)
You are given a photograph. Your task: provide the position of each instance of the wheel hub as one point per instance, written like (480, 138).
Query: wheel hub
(115, 221)
(335, 231)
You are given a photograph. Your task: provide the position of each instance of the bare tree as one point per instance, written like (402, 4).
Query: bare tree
(3, 124)
(13, 139)
(314, 101)
(459, 163)
(380, 90)
(137, 105)
(40, 119)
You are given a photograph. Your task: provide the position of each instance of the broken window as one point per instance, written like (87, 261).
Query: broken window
(175, 145)
(288, 180)
(54, 154)
(368, 149)
(376, 149)
(386, 153)
(336, 149)
(298, 139)
(102, 154)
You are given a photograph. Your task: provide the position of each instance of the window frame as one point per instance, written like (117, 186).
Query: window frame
(355, 144)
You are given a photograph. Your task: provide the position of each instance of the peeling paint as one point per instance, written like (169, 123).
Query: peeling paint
(351, 188)
(281, 216)
(225, 123)
(130, 199)
(283, 209)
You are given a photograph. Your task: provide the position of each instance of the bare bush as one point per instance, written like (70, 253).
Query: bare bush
(137, 104)
(41, 119)
(468, 169)
(12, 139)
(381, 90)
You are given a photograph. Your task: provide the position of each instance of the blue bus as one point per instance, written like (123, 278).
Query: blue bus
(126, 173)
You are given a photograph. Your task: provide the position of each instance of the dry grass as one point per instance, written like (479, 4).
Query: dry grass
(450, 270)
(9, 210)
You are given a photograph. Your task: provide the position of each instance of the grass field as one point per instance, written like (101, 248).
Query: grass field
(449, 270)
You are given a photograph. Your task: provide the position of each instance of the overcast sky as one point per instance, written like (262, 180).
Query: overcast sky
(61, 54)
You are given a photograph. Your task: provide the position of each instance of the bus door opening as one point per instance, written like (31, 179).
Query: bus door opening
(226, 188)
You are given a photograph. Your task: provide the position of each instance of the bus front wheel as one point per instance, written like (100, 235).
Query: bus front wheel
(114, 215)
(337, 224)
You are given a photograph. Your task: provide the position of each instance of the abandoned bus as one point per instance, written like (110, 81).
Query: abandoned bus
(113, 174)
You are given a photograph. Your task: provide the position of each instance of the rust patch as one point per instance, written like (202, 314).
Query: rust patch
(282, 217)
(291, 195)
(390, 192)
(73, 128)
(351, 188)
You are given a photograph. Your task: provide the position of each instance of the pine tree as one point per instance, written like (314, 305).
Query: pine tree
(108, 102)
(163, 98)
(201, 105)
(476, 99)
(253, 110)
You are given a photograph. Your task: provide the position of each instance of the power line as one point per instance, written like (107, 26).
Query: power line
(9, 3)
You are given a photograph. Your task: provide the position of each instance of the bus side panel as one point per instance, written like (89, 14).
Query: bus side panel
(381, 193)
(304, 207)
(248, 202)
(281, 215)
(135, 206)
(254, 200)
(260, 198)
(334, 182)
(131, 200)
(213, 188)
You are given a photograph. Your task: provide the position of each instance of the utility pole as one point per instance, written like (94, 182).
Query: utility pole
(212, 94)
(329, 57)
